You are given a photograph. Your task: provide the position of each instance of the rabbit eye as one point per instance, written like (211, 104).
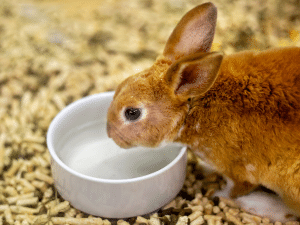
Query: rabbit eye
(132, 114)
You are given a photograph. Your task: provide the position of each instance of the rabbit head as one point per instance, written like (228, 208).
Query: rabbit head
(149, 108)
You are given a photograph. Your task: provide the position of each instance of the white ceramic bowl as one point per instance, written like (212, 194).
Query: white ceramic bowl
(98, 177)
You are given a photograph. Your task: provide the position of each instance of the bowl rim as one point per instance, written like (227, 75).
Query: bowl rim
(54, 123)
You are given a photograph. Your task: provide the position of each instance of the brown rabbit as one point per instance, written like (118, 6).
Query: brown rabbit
(240, 113)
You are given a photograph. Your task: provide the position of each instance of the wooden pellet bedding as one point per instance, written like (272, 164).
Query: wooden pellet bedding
(53, 53)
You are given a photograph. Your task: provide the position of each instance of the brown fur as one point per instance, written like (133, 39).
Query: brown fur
(251, 116)
(242, 115)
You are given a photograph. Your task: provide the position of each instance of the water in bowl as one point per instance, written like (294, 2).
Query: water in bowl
(89, 151)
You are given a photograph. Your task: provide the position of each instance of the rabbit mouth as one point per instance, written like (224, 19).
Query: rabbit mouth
(118, 138)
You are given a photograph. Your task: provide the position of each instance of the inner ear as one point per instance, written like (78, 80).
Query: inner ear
(194, 75)
(190, 75)
(194, 32)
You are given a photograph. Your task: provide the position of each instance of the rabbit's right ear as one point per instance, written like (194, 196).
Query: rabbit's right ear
(194, 32)
(194, 75)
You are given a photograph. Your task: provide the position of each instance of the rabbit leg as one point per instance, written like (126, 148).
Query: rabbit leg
(242, 188)
(235, 188)
(265, 204)
(257, 202)
(292, 202)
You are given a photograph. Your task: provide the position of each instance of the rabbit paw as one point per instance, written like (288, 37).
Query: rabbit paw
(258, 202)
(235, 189)
(225, 192)
(265, 204)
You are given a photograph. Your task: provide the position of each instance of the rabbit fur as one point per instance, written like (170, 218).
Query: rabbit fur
(240, 113)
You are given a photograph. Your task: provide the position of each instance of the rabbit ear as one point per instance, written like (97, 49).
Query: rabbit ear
(194, 32)
(194, 75)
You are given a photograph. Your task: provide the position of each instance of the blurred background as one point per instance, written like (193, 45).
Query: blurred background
(79, 47)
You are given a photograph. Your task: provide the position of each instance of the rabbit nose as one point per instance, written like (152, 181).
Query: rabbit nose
(108, 129)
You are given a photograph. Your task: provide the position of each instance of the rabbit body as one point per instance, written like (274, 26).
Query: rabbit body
(247, 126)
(239, 113)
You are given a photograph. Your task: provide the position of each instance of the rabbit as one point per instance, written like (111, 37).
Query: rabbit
(240, 113)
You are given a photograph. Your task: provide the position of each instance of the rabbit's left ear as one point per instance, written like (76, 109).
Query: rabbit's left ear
(193, 34)
(194, 75)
